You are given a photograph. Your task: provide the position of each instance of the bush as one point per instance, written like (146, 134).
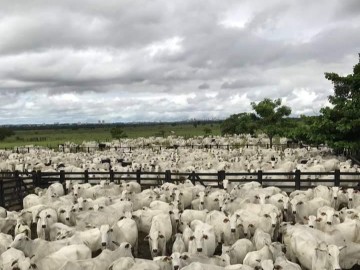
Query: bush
(118, 133)
(5, 132)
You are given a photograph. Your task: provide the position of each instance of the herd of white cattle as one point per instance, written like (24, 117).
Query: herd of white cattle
(247, 226)
(185, 160)
(182, 226)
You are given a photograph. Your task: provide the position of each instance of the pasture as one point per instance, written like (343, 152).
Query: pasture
(53, 136)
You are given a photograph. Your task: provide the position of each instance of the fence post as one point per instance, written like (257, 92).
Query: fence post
(111, 176)
(221, 177)
(18, 187)
(138, 176)
(34, 179)
(62, 179)
(39, 180)
(192, 177)
(297, 180)
(260, 176)
(86, 175)
(167, 176)
(2, 195)
(337, 178)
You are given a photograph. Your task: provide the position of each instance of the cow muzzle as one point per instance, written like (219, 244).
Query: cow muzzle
(199, 250)
(43, 226)
(233, 230)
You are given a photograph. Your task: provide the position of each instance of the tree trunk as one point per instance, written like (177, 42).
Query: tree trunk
(271, 141)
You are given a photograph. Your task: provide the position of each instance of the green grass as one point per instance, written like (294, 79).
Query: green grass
(54, 137)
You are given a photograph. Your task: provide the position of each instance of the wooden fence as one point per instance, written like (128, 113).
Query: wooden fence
(103, 147)
(14, 186)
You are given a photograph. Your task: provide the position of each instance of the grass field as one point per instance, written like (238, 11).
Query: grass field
(54, 137)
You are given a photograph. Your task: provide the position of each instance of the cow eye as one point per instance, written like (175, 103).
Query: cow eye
(251, 225)
(336, 215)
(280, 201)
(323, 214)
(62, 211)
(37, 217)
(191, 237)
(267, 197)
(48, 216)
(91, 208)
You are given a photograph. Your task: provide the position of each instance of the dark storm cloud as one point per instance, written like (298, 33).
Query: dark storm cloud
(88, 60)
(204, 86)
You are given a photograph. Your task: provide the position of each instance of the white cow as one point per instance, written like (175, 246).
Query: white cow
(160, 234)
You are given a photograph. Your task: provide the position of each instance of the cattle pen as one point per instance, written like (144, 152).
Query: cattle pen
(14, 186)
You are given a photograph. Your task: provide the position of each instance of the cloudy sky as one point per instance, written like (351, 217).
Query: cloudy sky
(163, 60)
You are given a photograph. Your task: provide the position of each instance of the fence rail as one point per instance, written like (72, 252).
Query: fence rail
(103, 147)
(14, 186)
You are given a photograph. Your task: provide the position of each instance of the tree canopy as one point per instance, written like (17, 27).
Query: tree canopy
(118, 133)
(339, 125)
(271, 117)
(240, 123)
(268, 118)
(5, 132)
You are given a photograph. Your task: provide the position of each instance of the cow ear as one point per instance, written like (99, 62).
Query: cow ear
(14, 262)
(341, 248)
(171, 212)
(226, 220)
(127, 245)
(147, 238)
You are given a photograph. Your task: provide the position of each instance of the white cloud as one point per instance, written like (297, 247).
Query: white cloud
(136, 60)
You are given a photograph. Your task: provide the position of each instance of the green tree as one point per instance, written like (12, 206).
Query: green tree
(239, 124)
(299, 129)
(339, 125)
(118, 133)
(5, 132)
(271, 117)
(207, 131)
(161, 133)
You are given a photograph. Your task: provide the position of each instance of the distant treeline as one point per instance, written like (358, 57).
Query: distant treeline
(108, 125)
